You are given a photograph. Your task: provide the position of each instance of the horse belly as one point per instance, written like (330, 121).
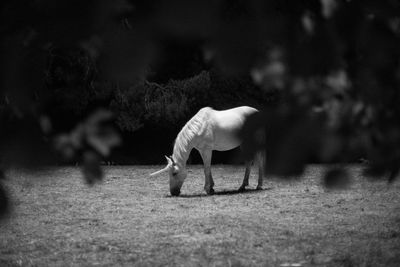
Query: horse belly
(226, 140)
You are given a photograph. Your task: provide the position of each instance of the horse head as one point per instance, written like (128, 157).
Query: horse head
(177, 175)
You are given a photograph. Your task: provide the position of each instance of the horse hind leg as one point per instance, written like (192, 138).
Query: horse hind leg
(260, 161)
(246, 177)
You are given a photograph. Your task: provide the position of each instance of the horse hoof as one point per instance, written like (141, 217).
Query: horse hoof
(210, 192)
(259, 188)
(242, 189)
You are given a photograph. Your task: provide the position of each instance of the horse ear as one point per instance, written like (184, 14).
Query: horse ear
(170, 162)
(172, 159)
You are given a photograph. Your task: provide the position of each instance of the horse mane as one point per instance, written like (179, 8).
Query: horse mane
(185, 137)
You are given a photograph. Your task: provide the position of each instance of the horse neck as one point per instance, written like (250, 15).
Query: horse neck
(182, 148)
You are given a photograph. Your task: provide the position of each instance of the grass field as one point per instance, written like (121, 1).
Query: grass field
(131, 220)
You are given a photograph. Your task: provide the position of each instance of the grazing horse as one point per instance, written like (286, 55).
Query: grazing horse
(206, 131)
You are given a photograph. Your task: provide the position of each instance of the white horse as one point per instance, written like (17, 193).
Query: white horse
(206, 131)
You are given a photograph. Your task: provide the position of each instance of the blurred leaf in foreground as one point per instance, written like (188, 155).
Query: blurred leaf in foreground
(89, 142)
(4, 203)
(291, 139)
(393, 174)
(91, 167)
(336, 178)
(100, 135)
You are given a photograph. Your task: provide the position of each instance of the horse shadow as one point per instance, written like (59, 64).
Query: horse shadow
(225, 193)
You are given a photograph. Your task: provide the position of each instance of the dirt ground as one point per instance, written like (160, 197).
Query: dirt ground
(130, 220)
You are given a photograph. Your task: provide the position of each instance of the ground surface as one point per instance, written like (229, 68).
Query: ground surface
(131, 220)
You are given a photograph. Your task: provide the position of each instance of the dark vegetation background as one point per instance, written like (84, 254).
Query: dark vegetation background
(81, 78)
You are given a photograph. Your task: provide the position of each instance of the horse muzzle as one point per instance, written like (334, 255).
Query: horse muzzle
(175, 192)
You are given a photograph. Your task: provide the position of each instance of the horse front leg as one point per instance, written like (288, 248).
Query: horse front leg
(209, 182)
(246, 177)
